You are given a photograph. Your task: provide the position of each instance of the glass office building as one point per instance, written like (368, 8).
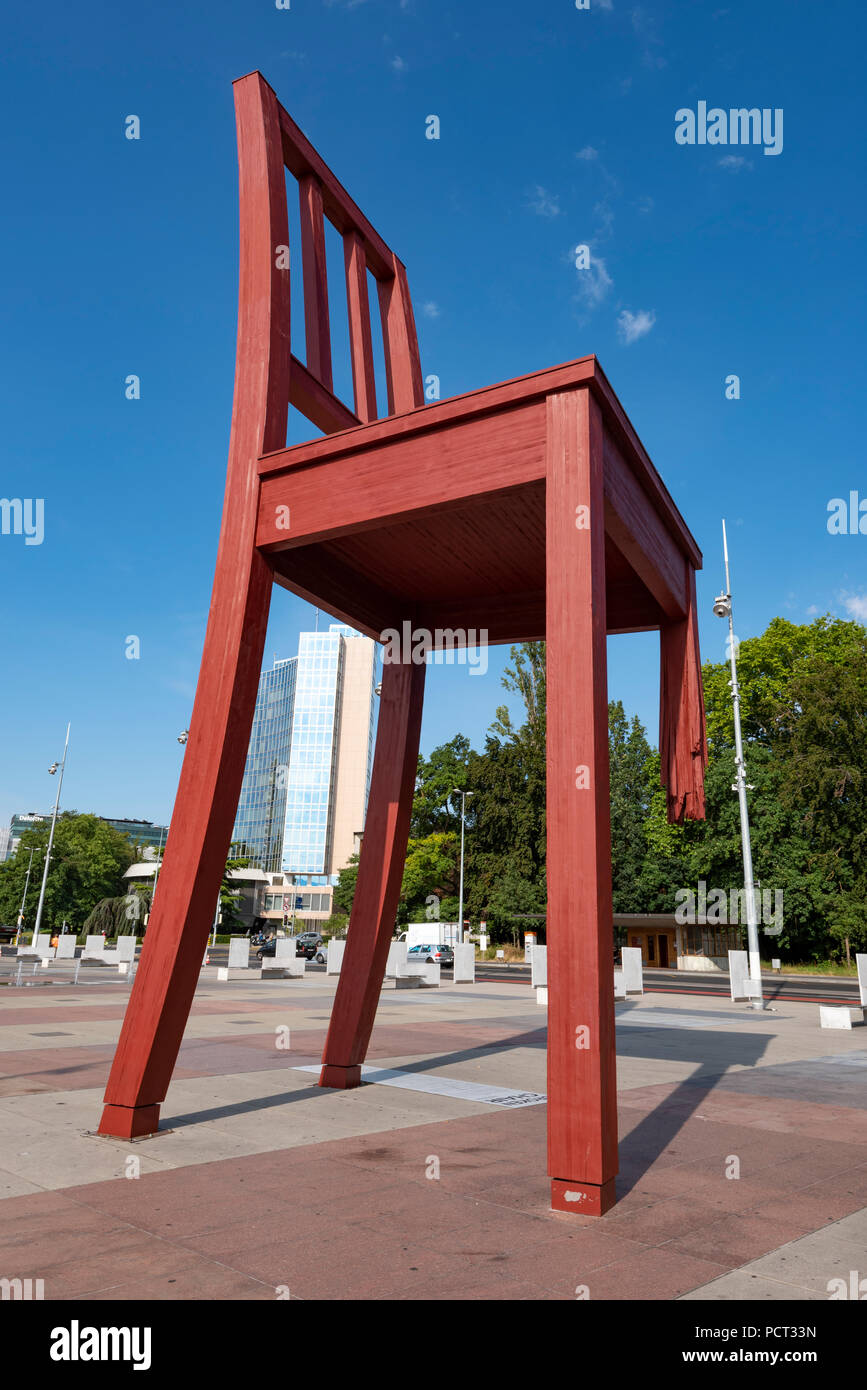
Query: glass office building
(141, 832)
(261, 815)
(314, 727)
(307, 775)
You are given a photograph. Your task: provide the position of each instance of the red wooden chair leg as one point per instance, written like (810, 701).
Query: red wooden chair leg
(380, 873)
(195, 855)
(207, 799)
(582, 1094)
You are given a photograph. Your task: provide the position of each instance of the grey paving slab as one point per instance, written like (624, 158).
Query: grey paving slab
(801, 1270)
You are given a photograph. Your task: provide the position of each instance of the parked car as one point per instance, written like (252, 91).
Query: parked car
(303, 947)
(308, 943)
(321, 956)
(7, 934)
(432, 955)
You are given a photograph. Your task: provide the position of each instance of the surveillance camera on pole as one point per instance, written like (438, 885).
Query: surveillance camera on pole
(723, 609)
(722, 605)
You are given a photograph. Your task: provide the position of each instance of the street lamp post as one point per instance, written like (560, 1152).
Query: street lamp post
(723, 609)
(53, 768)
(24, 896)
(463, 795)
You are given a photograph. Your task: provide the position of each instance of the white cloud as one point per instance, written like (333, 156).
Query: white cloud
(813, 611)
(594, 282)
(431, 310)
(631, 327)
(856, 606)
(644, 28)
(544, 204)
(605, 214)
(734, 162)
(605, 4)
(588, 152)
(398, 64)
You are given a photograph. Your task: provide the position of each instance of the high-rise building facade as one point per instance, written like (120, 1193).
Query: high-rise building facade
(141, 832)
(19, 824)
(307, 775)
(261, 816)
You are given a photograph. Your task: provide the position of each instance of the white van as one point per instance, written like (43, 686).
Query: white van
(430, 933)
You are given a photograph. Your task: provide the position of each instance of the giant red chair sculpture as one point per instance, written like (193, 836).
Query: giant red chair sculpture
(556, 526)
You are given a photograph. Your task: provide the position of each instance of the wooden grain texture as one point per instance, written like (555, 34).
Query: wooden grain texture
(384, 485)
(204, 811)
(400, 343)
(642, 536)
(321, 407)
(682, 732)
(491, 400)
(380, 872)
(315, 276)
(582, 1096)
(360, 335)
(323, 580)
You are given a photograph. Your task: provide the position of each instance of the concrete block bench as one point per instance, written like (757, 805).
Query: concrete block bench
(840, 1016)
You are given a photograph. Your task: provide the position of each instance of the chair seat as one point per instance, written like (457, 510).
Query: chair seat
(441, 510)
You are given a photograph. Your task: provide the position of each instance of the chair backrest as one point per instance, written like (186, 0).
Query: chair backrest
(269, 142)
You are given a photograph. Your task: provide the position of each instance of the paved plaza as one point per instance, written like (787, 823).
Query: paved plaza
(743, 1152)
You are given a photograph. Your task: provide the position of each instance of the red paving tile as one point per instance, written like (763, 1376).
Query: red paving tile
(738, 1239)
(236, 1228)
(370, 1224)
(563, 1262)
(660, 1273)
(203, 1281)
(86, 1066)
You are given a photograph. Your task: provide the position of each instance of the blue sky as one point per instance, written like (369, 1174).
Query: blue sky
(557, 128)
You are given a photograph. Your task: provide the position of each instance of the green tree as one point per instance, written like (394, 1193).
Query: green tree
(435, 808)
(88, 861)
(118, 916)
(800, 687)
(767, 665)
(344, 889)
(821, 731)
(230, 892)
(431, 872)
(631, 764)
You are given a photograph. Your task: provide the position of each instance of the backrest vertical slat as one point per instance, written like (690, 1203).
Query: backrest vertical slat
(360, 337)
(400, 343)
(323, 197)
(316, 321)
